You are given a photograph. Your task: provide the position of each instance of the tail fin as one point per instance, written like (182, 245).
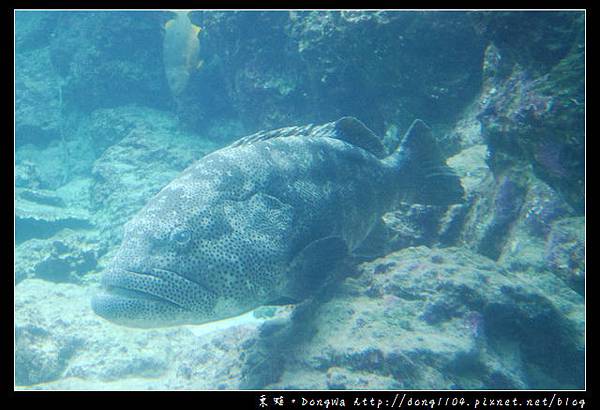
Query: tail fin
(423, 174)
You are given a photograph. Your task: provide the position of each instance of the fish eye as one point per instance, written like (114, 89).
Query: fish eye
(182, 237)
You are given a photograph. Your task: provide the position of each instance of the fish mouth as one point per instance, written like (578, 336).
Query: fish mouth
(131, 284)
(141, 298)
(125, 293)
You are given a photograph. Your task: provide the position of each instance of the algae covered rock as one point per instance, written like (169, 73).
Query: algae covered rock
(418, 318)
(61, 344)
(423, 318)
(38, 98)
(382, 56)
(565, 251)
(66, 256)
(323, 64)
(536, 39)
(529, 234)
(105, 127)
(528, 118)
(27, 175)
(109, 58)
(41, 214)
(150, 152)
(38, 358)
(97, 133)
(43, 342)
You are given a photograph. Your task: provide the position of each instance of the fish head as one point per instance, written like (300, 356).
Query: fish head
(208, 246)
(177, 263)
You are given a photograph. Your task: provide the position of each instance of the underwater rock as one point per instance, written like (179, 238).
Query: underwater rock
(49, 166)
(149, 154)
(565, 251)
(109, 59)
(105, 127)
(510, 206)
(91, 135)
(239, 70)
(36, 218)
(418, 318)
(26, 175)
(505, 205)
(38, 358)
(542, 207)
(526, 120)
(62, 344)
(41, 196)
(412, 225)
(525, 244)
(508, 218)
(433, 319)
(43, 342)
(37, 99)
(466, 132)
(64, 257)
(32, 29)
(536, 40)
(395, 68)
(380, 53)
(470, 165)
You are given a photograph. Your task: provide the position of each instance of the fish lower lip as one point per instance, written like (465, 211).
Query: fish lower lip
(113, 287)
(135, 311)
(138, 272)
(132, 293)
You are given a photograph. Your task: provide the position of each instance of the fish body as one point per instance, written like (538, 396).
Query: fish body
(264, 218)
(181, 48)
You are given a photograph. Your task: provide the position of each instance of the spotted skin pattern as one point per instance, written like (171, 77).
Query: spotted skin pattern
(220, 239)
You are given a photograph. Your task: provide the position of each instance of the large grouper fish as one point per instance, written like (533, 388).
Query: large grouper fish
(263, 219)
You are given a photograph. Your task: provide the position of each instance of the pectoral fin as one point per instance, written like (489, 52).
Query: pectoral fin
(375, 244)
(314, 265)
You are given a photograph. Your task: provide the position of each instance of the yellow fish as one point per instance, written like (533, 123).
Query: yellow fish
(180, 51)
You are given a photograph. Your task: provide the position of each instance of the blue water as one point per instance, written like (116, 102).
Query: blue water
(484, 290)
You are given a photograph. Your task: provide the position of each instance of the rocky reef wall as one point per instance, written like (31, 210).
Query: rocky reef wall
(488, 293)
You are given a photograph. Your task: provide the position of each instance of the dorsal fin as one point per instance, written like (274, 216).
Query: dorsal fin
(347, 129)
(277, 133)
(353, 131)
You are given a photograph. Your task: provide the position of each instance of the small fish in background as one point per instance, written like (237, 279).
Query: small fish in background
(181, 48)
